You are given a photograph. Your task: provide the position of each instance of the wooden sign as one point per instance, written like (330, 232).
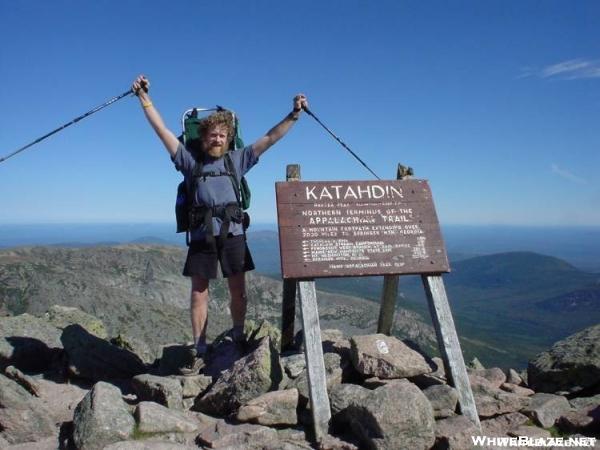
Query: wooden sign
(358, 228)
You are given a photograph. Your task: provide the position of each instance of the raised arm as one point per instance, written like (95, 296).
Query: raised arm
(279, 130)
(141, 86)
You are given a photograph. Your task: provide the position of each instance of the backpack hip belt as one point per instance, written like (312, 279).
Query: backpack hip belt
(230, 212)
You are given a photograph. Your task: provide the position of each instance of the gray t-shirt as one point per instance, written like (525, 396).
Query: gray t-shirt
(214, 190)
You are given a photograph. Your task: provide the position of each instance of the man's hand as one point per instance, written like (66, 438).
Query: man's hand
(300, 102)
(141, 85)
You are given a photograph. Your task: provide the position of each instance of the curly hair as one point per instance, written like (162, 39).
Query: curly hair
(219, 118)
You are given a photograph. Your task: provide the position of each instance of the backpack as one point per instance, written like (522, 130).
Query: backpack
(192, 140)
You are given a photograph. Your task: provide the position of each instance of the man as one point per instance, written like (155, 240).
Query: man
(213, 193)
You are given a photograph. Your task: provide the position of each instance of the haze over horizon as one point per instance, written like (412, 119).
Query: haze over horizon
(495, 103)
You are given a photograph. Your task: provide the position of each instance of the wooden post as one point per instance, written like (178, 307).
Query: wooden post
(389, 293)
(288, 305)
(449, 345)
(315, 364)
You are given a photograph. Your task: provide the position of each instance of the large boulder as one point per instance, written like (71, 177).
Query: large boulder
(163, 390)
(491, 401)
(96, 359)
(63, 316)
(154, 418)
(382, 356)
(23, 417)
(253, 375)
(546, 408)
(334, 371)
(570, 366)
(246, 436)
(455, 433)
(28, 343)
(272, 408)
(101, 418)
(395, 416)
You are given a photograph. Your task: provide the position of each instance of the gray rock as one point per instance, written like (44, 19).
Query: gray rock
(330, 442)
(294, 364)
(343, 396)
(386, 357)
(246, 436)
(475, 364)
(501, 425)
(333, 375)
(255, 374)
(162, 390)
(571, 365)
(23, 417)
(513, 377)
(272, 408)
(23, 380)
(256, 331)
(491, 401)
(28, 343)
(154, 418)
(134, 344)
(519, 390)
(546, 408)
(581, 420)
(582, 402)
(529, 431)
(194, 385)
(454, 433)
(443, 399)
(495, 376)
(63, 316)
(396, 416)
(149, 445)
(96, 359)
(101, 418)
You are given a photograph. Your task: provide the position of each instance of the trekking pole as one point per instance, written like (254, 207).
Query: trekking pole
(89, 113)
(309, 112)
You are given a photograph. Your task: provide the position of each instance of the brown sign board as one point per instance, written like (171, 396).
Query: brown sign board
(358, 228)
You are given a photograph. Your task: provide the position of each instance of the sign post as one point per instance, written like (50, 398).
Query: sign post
(362, 228)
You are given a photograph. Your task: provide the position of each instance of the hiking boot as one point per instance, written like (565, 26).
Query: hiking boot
(195, 363)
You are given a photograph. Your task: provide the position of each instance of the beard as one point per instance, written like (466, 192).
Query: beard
(217, 151)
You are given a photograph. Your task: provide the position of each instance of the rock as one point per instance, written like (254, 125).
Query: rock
(495, 376)
(246, 436)
(194, 385)
(513, 377)
(154, 418)
(581, 420)
(582, 402)
(491, 401)
(294, 364)
(135, 345)
(529, 431)
(28, 343)
(443, 399)
(455, 433)
(333, 376)
(519, 390)
(152, 445)
(255, 374)
(330, 442)
(101, 418)
(475, 364)
(571, 365)
(386, 357)
(173, 357)
(501, 425)
(546, 408)
(96, 359)
(256, 331)
(63, 316)
(396, 416)
(23, 417)
(23, 380)
(272, 408)
(162, 390)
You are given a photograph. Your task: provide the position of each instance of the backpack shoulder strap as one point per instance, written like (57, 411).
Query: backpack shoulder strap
(230, 168)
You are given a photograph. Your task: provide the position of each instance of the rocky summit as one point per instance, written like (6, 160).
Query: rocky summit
(383, 394)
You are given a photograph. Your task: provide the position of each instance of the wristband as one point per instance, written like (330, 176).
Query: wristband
(147, 105)
(292, 116)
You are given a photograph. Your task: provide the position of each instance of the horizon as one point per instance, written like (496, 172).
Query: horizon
(499, 115)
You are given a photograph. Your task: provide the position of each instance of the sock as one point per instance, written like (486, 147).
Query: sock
(200, 345)
(238, 332)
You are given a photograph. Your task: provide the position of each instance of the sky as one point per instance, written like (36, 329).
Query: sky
(496, 103)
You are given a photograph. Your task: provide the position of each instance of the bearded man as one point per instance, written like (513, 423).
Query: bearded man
(217, 239)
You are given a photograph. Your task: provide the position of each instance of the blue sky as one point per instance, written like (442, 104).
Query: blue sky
(496, 103)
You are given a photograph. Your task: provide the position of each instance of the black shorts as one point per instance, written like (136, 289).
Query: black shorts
(232, 253)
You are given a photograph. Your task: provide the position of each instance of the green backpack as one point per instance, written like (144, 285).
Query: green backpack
(192, 140)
